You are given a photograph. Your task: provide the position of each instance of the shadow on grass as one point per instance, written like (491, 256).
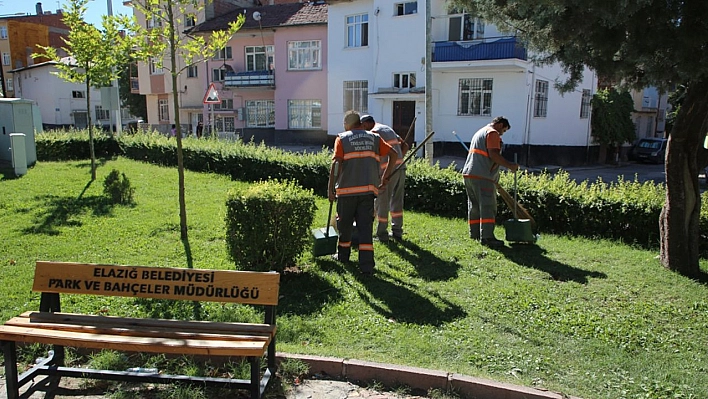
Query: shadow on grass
(398, 300)
(429, 266)
(535, 257)
(701, 277)
(59, 211)
(305, 293)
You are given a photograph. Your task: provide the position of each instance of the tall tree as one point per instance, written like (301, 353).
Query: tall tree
(641, 43)
(612, 118)
(135, 103)
(95, 55)
(164, 42)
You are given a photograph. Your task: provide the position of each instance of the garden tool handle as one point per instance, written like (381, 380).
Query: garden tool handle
(516, 188)
(329, 217)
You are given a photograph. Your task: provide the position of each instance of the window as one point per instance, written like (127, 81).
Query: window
(475, 97)
(163, 110)
(585, 104)
(224, 54)
(260, 113)
(227, 104)
(78, 94)
(404, 80)
(304, 114)
(259, 58)
(304, 55)
(465, 27)
(154, 20)
(6, 58)
(189, 21)
(225, 124)
(3, 32)
(10, 85)
(102, 114)
(356, 95)
(192, 71)
(540, 103)
(357, 30)
(407, 8)
(218, 75)
(155, 69)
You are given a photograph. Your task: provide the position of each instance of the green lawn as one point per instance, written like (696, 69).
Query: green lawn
(595, 319)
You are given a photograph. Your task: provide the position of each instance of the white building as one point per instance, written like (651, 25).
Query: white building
(377, 53)
(376, 58)
(62, 103)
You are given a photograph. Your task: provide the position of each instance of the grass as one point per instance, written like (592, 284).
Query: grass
(590, 318)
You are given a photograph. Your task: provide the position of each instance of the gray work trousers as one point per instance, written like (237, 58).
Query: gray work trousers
(359, 208)
(481, 207)
(390, 200)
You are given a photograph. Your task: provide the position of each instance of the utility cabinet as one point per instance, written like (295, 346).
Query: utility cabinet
(18, 115)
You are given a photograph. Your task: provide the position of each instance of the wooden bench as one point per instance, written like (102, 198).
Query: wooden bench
(198, 338)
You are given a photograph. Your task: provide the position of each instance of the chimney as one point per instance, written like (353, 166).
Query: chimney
(39, 9)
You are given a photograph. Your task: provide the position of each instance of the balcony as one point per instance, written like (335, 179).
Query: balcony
(249, 79)
(488, 49)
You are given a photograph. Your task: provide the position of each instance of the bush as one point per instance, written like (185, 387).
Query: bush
(626, 210)
(268, 225)
(117, 187)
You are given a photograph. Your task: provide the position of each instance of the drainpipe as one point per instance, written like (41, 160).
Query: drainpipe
(593, 86)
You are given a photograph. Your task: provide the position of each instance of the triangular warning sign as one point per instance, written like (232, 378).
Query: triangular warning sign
(212, 96)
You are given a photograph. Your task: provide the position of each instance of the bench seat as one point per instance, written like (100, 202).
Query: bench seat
(139, 335)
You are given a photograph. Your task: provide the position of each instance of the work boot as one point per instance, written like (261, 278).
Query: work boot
(382, 238)
(492, 242)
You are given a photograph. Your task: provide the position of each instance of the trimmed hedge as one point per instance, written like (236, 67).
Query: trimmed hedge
(268, 225)
(623, 210)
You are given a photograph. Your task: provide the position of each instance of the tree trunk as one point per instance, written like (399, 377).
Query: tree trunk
(175, 100)
(680, 216)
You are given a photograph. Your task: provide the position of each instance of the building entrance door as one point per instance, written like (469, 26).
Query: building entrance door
(403, 114)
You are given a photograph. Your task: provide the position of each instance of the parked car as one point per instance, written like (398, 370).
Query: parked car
(649, 150)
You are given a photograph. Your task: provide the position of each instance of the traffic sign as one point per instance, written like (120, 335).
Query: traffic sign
(212, 95)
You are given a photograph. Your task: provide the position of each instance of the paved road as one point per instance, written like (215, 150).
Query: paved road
(610, 173)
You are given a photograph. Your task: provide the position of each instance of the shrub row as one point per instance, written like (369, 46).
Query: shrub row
(622, 210)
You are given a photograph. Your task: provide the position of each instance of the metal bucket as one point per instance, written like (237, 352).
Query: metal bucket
(519, 230)
(324, 240)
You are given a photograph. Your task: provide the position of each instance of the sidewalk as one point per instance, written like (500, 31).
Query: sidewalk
(337, 378)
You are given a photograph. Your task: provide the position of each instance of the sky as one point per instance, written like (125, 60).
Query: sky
(95, 8)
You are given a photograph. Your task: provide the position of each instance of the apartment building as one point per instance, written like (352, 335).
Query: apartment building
(270, 78)
(21, 36)
(62, 104)
(377, 65)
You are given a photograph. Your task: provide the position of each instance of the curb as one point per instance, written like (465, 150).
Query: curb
(418, 378)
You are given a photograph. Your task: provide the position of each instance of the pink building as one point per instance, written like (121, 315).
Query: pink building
(271, 78)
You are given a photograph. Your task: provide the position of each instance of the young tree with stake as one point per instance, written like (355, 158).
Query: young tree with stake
(175, 50)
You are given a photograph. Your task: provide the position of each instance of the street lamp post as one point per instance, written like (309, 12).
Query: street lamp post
(119, 122)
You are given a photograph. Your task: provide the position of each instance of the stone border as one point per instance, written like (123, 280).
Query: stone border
(419, 378)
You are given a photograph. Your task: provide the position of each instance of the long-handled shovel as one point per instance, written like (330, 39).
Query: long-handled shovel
(411, 154)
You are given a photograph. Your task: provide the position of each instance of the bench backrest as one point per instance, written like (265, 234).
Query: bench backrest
(257, 288)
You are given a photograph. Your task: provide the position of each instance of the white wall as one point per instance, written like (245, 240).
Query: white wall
(396, 45)
(54, 95)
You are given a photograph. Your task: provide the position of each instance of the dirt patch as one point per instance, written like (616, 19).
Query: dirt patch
(73, 388)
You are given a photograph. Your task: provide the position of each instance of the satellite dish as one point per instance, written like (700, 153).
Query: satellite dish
(256, 15)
